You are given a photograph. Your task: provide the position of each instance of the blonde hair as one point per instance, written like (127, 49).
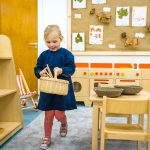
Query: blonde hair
(52, 28)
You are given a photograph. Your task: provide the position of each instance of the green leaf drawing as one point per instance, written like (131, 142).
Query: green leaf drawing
(78, 38)
(80, 1)
(122, 12)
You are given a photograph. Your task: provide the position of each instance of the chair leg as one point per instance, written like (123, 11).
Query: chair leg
(129, 119)
(141, 120)
(102, 141)
(138, 145)
(147, 146)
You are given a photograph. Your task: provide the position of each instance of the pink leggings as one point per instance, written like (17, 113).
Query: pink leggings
(48, 120)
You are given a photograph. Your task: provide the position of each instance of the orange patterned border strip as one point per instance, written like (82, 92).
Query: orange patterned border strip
(82, 65)
(121, 65)
(144, 66)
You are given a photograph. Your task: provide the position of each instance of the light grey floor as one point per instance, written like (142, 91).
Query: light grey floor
(78, 138)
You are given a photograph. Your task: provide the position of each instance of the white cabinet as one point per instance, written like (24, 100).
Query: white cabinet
(11, 119)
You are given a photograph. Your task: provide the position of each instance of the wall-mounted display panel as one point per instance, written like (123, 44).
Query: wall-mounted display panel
(109, 27)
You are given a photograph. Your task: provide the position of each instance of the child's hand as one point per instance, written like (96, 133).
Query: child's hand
(58, 71)
(43, 73)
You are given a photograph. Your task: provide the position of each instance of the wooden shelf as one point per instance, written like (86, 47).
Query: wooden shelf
(11, 117)
(111, 53)
(5, 92)
(9, 129)
(5, 58)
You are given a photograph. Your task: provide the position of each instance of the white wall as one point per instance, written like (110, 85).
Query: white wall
(51, 12)
(55, 12)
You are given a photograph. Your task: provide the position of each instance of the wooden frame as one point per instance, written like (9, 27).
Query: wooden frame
(112, 52)
(24, 91)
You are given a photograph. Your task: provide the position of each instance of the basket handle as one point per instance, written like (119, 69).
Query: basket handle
(49, 71)
(55, 74)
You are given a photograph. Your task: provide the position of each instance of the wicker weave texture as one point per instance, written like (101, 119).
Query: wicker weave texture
(54, 86)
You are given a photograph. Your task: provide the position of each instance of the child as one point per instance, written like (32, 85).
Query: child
(62, 61)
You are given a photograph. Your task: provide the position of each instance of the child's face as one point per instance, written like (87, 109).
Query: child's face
(53, 41)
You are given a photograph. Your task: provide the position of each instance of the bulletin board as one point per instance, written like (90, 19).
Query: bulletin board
(111, 32)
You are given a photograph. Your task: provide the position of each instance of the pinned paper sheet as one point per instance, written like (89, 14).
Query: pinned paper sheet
(79, 3)
(111, 45)
(96, 34)
(106, 9)
(139, 16)
(78, 42)
(140, 35)
(77, 16)
(98, 1)
(122, 16)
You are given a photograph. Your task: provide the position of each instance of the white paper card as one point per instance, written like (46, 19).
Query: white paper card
(79, 3)
(78, 41)
(96, 34)
(98, 1)
(111, 46)
(122, 16)
(106, 9)
(139, 16)
(77, 16)
(140, 35)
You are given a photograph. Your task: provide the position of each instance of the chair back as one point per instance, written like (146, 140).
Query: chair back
(124, 106)
(123, 131)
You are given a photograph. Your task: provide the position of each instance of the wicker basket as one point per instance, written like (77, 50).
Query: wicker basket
(54, 86)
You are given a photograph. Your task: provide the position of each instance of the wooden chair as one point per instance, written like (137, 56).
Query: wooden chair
(25, 93)
(118, 131)
(127, 116)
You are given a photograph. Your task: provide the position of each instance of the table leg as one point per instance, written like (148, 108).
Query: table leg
(95, 127)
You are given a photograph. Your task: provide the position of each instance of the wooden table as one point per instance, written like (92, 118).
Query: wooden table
(97, 105)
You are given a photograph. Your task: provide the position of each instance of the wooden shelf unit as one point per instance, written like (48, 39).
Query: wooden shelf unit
(11, 118)
(5, 92)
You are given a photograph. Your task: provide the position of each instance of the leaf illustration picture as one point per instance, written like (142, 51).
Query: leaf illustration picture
(78, 38)
(122, 12)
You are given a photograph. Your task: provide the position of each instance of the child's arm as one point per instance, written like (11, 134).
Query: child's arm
(69, 65)
(39, 67)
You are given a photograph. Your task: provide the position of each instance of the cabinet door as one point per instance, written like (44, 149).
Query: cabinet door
(145, 84)
(19, 22)
(145, 74)
(81, 86)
